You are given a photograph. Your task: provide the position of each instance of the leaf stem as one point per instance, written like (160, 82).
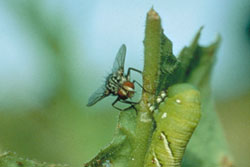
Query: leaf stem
(144, 120)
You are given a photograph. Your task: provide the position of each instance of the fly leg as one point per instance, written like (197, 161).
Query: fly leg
(113, 104)
(132, 104)
(123, 101)
(129, 70)
(129, 102)
(134, 81)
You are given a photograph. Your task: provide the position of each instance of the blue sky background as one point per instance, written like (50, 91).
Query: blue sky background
(100, 27)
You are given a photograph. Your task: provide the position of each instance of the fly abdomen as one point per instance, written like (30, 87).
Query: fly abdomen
(112, 84)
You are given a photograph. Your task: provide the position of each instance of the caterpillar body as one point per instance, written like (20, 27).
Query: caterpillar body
(178, 116)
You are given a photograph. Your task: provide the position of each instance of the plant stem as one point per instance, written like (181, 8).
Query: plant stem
(144, 125)
(152, 44)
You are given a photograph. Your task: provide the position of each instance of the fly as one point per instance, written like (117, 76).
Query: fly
(117, 83)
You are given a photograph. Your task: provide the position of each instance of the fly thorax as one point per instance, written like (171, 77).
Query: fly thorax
(120, 72)
(123, 79)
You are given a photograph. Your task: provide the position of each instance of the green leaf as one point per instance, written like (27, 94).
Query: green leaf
(144, 140)
(10, 159)
(188, 58)
(169, 65)
(208, 146)
(119, 151)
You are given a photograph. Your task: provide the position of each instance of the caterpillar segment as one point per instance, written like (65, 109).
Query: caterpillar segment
(176, 120)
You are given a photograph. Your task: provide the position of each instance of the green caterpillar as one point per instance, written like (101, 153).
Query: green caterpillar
(176, 121)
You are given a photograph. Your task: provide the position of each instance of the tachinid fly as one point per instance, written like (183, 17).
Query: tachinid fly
(117, 83)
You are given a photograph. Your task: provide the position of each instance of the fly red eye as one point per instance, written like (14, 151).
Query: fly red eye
(129, 84)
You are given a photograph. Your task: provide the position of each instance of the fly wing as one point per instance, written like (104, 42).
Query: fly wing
(97, 96)
(120, 59)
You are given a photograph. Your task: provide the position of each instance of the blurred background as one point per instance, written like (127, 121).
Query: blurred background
(54, 54)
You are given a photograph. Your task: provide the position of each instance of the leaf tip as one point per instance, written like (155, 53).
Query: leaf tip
(201, 28)
(152, 14)
(218, 39)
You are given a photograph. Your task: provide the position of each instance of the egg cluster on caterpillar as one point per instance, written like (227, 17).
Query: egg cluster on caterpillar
(159, 99)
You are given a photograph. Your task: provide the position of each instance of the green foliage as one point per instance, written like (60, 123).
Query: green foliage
(209, 130)
(9, 159)
(118, 152)
(136, 140)
(161, 142)
(170, 65)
